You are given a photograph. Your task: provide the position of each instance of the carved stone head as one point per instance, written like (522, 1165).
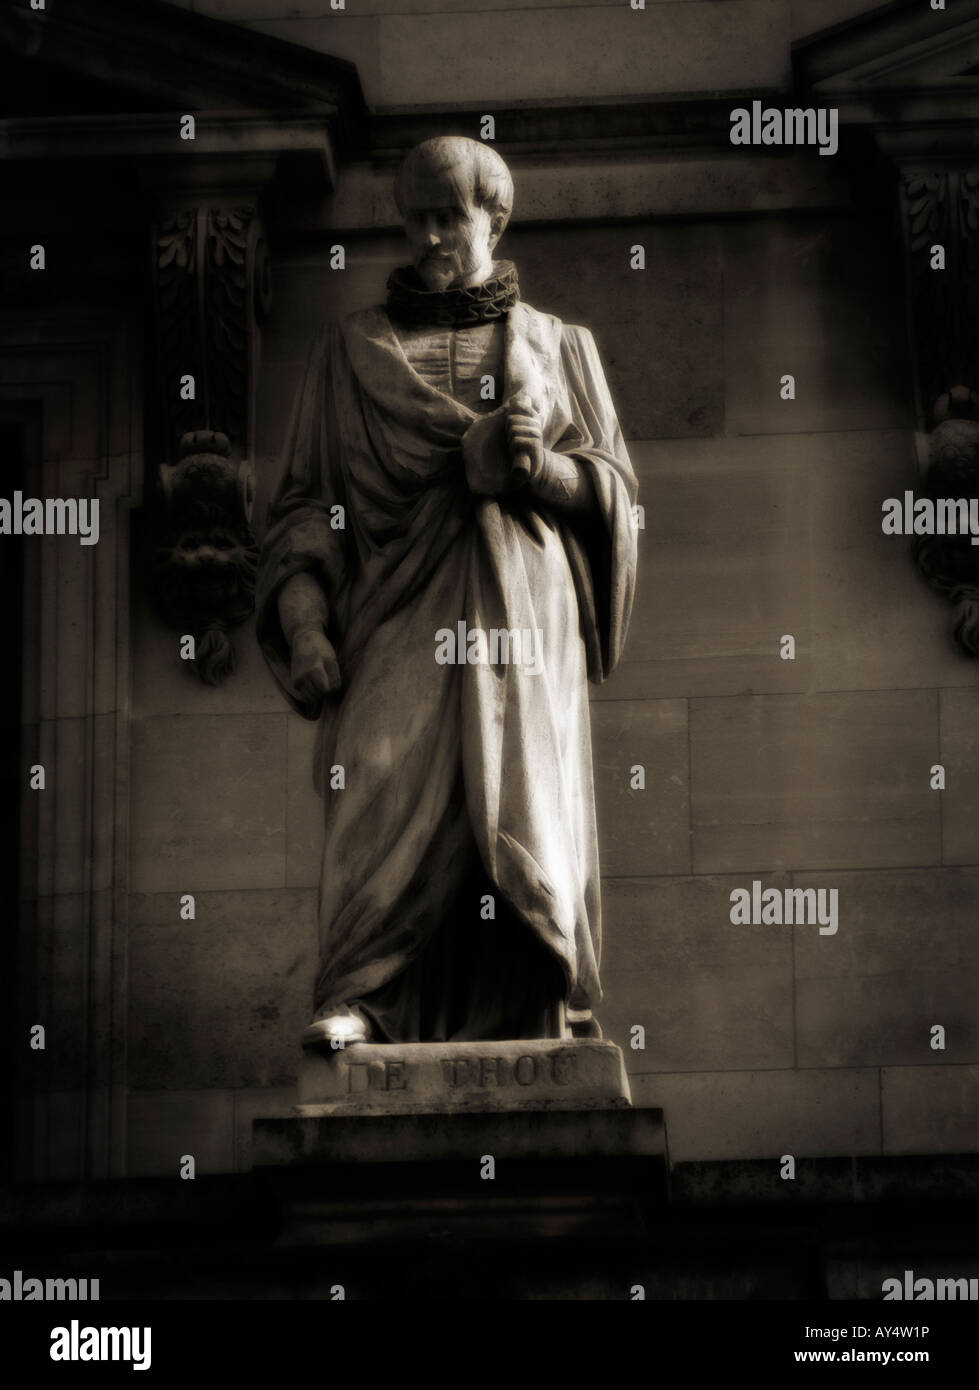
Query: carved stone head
(204, 575)
(455, 196)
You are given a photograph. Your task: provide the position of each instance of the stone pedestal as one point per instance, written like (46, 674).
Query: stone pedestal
(446, 1078)
(476, 1146)
(551, 1136)
(478, 1185)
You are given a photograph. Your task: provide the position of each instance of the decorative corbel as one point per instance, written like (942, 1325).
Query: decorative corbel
(941, 210)
(211, 289)
(951, 563)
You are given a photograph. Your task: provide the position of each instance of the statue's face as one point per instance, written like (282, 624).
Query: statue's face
(451, 239)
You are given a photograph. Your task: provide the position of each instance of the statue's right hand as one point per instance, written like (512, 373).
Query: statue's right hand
(315, 668)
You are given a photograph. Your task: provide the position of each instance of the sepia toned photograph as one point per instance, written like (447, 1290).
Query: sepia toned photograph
(490, 542)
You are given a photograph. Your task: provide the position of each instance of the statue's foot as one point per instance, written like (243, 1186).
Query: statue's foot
(582, 1023)
(344, 1026)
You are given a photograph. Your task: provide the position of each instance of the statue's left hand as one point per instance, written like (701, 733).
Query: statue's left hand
(498, 449)
(315, 669)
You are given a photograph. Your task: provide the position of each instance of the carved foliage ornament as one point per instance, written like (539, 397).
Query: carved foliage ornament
(942, 209)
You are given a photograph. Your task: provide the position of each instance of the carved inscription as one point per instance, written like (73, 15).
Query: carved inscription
(376, 1076)
(555, 1069)
(482, 1073)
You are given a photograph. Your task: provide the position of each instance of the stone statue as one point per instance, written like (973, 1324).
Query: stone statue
(450, 558)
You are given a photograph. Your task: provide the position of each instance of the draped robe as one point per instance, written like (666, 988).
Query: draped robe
(444, 762)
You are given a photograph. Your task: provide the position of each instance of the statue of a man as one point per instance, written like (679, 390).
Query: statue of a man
(450, 557)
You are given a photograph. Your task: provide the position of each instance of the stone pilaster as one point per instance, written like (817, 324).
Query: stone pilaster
(212, 287)
(906, 74)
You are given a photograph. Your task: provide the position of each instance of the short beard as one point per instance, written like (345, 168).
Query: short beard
(439, 275)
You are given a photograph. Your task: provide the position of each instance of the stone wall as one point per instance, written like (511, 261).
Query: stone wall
(762, 518)
(414, 52)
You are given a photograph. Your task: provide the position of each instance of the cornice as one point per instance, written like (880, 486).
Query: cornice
(900, 47)
(177, 56)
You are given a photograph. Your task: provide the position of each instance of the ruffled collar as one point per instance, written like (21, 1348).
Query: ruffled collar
(410, 302)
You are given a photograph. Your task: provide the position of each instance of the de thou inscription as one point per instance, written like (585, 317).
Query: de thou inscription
(529, 1069)
(383, 1079)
